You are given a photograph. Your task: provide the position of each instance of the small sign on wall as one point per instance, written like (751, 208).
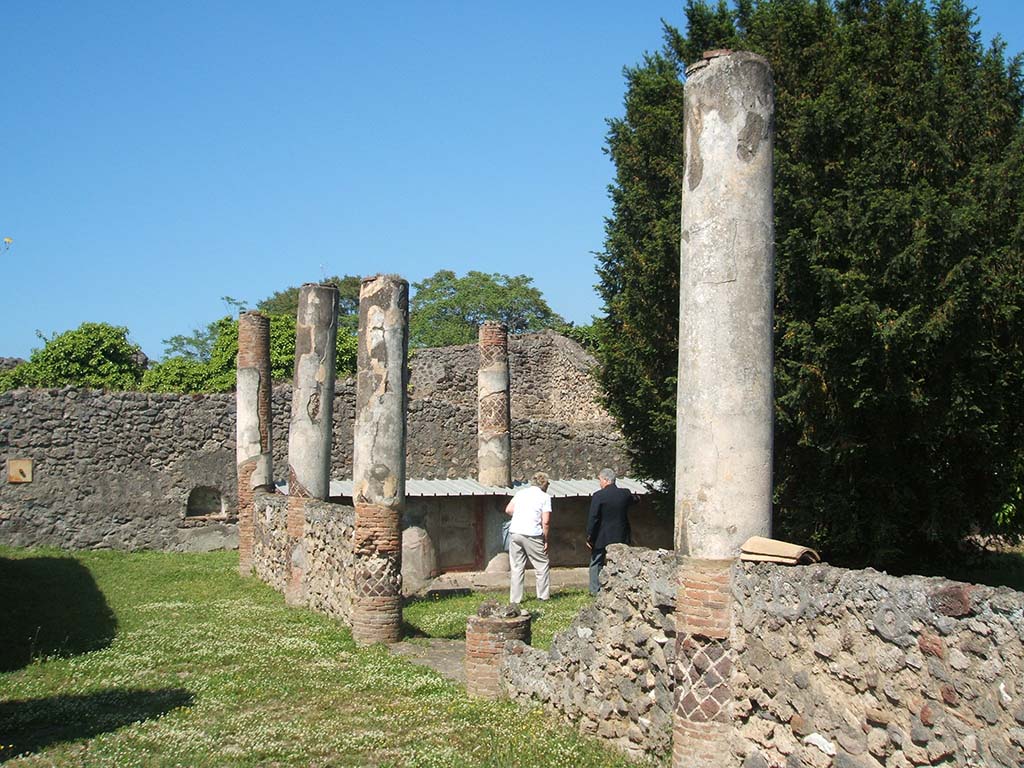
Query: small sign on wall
(19, 470)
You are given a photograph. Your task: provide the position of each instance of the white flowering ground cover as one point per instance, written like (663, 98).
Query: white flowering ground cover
(161, 659)
(445, 616)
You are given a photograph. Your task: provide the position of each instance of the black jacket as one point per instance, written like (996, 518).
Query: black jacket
(608, 522)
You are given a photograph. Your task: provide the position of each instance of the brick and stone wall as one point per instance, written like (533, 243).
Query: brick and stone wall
(320, 556)
(610, 671)
(271, 556)
(857, 668)
(823, 666)
(116, 469)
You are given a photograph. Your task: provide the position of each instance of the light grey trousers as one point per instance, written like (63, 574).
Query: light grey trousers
(519, 548)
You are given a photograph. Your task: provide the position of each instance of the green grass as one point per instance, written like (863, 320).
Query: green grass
(173, 660)
(445, 616)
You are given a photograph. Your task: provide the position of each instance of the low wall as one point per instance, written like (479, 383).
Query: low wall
(857, 668)
(828, 667)
(314, 569)
(610, 672)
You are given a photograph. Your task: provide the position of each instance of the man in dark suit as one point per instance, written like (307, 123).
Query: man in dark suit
(607, 522)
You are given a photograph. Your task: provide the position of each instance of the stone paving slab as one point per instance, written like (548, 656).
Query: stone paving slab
(446, 657)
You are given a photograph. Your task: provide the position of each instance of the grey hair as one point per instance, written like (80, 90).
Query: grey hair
(540, 479)
(607, 474)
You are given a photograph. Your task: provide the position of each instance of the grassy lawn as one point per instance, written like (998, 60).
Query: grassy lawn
(160, 659)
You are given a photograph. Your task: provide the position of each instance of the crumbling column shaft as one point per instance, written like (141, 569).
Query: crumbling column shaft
(378, 459)
(309, 433)
(494, 443)
(253, 447)
(724, 417)
(310, 430)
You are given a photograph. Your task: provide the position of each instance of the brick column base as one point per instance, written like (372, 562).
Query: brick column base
(295, 527)
(246, 510)
(377, 587)
(485, 645)
(703, 721)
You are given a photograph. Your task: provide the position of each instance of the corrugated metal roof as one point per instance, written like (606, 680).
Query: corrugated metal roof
(558, 489)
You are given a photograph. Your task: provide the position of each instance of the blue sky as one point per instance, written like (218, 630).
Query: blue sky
(160, 155)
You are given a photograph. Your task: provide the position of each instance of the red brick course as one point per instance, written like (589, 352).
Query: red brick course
(246, 511)
(703, 722)
(377, 587)
(485, 644)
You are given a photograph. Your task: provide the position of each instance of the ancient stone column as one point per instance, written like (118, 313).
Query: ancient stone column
(494, 444)
(724, 407)
(378, 459)
(252, 438)
(309, 433)
(724, 415)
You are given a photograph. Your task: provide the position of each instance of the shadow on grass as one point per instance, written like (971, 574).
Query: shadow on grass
(51, 606)
(34, 724)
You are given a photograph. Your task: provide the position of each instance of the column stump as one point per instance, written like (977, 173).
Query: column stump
(486, 635)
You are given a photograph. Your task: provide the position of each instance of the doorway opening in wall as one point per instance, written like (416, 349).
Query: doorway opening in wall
(205, 504)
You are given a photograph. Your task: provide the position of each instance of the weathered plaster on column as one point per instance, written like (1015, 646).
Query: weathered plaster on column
(378, 459)
(724, 422)
(494, 444)
(253, 449)
(309, 434)
(252, 397)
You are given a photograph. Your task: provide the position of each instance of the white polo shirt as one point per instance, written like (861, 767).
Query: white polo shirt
(527, 507)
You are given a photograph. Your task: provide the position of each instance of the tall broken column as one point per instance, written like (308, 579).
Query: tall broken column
(494, 442)
(378, 459)
(724, 413)
(253, 448)
(724, 406)
(309, 433)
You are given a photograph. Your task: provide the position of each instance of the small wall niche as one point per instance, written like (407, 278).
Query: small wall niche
(205, 503)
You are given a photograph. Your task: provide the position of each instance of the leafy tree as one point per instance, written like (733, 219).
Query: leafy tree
(198, 345)
(587, 336)
(217, 374)
(899, 201)
(94, 355)
(639, 268)
(286, 302)
(176, 374)
(447, 309)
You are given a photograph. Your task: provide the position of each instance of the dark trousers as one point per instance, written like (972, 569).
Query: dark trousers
(596, 563)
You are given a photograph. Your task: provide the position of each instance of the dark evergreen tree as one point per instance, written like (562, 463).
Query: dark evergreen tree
(899, 274)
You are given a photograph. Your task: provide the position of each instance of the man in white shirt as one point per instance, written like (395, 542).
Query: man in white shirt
(530, 509)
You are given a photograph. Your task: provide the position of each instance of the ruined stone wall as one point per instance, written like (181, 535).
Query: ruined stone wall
(610, 671)
(549, 377)
(830, 667)
(115, 469)
(326, 552)
(271, 556)
(857, 668)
